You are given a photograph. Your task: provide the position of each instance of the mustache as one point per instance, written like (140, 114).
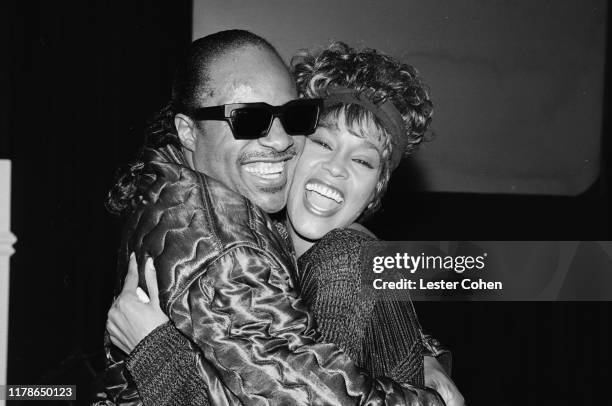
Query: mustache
(287, 154)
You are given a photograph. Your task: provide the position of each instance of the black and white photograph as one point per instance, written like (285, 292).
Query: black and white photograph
(305, 202)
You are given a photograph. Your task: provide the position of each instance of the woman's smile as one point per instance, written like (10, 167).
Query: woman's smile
(321, 198)
(334, 180)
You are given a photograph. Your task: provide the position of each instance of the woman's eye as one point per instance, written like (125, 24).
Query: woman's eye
(321, 143)
(364, 163)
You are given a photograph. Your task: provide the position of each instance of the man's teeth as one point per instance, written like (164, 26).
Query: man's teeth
(325, 191)
(265, 169)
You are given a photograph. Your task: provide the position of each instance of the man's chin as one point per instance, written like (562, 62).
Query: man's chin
(270, 200)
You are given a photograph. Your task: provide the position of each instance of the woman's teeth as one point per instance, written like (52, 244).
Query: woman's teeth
(267, 170)
(325, 191)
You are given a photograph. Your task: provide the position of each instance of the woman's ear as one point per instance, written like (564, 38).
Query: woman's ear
(365, 212)
(185, 128)
(372, 199)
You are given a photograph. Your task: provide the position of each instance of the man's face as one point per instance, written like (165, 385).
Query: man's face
(260, 169)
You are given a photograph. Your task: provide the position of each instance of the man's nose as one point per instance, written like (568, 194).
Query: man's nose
(336, 166)
(277, 139)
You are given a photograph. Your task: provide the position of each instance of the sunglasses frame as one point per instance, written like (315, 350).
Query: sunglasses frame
(226, 112)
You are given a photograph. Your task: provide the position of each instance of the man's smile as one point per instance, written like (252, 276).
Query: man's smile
(266, 170)
(269, 175)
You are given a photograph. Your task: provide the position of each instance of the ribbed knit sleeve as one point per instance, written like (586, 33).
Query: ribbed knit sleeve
(163, 367)
(381, 336)
(391, 343)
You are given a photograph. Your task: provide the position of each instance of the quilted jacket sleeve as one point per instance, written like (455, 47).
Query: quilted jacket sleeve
(251, 326)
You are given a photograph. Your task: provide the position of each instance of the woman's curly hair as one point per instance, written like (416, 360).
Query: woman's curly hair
(384, 78)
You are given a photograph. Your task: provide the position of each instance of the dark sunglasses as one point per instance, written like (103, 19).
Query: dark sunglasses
(250, 121)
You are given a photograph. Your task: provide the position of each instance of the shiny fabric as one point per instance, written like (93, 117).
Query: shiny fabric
(118, 386)
(225, 279)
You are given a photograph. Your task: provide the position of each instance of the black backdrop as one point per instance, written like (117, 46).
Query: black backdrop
(81, 78)
(78, 81)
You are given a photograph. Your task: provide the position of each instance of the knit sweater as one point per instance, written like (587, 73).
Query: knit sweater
(382, 337)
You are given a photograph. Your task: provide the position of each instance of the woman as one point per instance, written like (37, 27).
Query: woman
(376, 111)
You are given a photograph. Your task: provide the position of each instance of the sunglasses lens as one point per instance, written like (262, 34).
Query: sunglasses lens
(250, 123)
(300, 119)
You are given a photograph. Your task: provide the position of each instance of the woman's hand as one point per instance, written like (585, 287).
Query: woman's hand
(133, 315)
(436, 378)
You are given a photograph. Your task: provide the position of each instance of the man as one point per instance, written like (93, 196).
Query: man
(232, 247)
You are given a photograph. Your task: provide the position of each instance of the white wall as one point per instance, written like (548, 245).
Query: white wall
(518, 85)
(6, 250)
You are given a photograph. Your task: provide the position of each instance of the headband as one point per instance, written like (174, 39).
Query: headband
(385, 111)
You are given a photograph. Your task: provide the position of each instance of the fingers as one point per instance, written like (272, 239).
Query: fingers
(114, 332)
(131, 279)
(151, 279)
(450, 394)
(457, 398)
(142, 296)
(446, 396)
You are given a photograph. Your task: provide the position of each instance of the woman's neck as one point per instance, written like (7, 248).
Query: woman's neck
(300, 245)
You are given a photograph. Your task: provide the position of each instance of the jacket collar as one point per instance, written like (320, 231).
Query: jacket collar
(175, 196)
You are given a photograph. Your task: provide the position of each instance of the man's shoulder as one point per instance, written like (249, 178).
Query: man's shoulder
(187, 221)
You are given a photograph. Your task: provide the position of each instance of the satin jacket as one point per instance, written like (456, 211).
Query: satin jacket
(226, 281)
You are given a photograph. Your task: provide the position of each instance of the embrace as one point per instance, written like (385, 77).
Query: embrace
(242, 226)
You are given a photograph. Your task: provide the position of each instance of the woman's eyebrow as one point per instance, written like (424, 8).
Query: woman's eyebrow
(329, 126)
(370, 145)
(366, 141)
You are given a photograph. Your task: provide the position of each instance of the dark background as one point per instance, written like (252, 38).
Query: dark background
(517, 84)
(79, 79)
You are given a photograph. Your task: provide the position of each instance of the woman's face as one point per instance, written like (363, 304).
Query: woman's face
(334, 180)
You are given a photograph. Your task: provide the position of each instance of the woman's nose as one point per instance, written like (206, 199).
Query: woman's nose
(336, 166)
